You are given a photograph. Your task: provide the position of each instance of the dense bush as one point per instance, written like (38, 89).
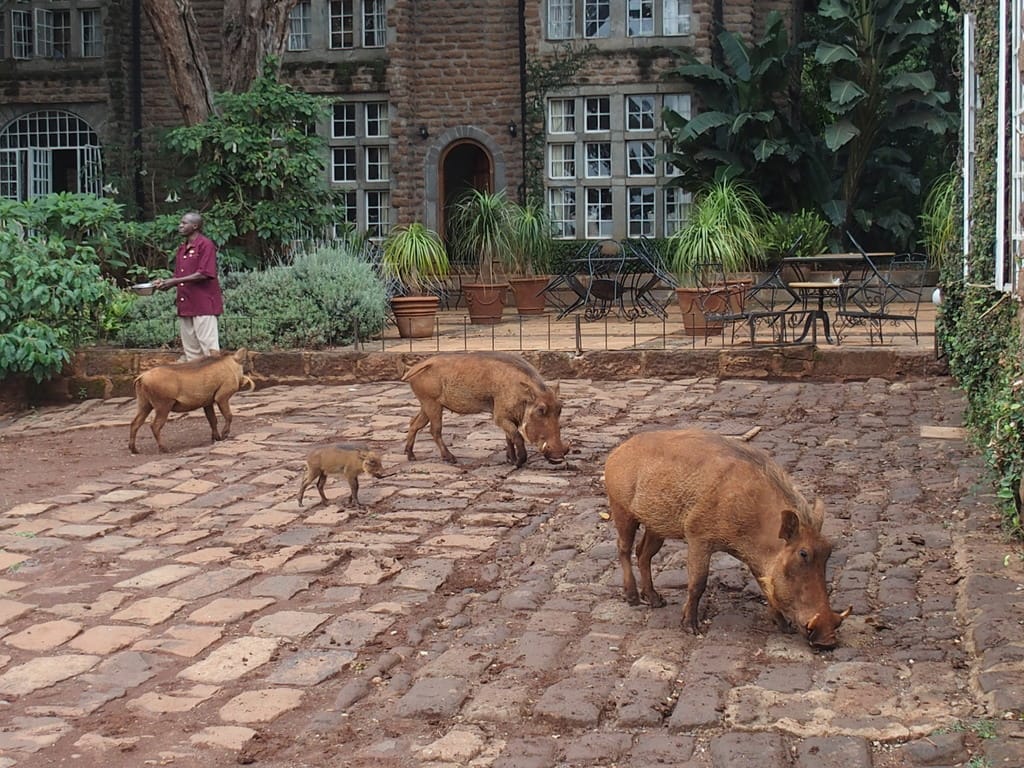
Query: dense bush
(320, 300)
(53, 298)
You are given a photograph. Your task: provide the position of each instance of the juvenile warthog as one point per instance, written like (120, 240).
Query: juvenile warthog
(340, 459)
(721, 495)
(495, 382)
(186, 386)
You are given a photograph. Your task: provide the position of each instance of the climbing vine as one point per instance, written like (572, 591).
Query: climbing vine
(978, 326)
(542, 77)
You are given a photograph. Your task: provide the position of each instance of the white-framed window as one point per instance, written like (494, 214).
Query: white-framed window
(599, 212)
(342, 20)
(343, 165)
(561, 19)
(377, 122)
(300, 33)
(615, 148)
(562, 210)
(44, 33)
(49, 151)
(562, 161)
(343, 121)
(561, 115)
(597, 114)
(375, 33)
(597, 18)
(680, 103)
(378, 213)
(599, 159)
(677, 209)
(594, 19)
(53, 34)
(640, 158)
(3, 33)
(640, 113)
(358, 133)
(378, 164)
(21, 34)
(91, 21)
(641, 212)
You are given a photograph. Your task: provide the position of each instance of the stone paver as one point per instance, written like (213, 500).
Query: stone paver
(472, 614)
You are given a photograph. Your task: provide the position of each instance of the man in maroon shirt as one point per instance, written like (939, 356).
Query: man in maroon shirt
(199, 296)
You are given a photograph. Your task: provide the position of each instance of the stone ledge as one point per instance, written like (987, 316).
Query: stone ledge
(103, 373)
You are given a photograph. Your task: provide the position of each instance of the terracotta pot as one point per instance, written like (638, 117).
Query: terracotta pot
(694, 323)
(415, 315)
(529, 293)
(485, 302)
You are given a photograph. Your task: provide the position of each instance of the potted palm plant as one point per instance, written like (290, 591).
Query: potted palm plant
(724, 230)
(530, 258)
(415, 258)
(481, 226)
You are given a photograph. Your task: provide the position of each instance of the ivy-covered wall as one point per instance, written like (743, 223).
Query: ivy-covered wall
(979, 327)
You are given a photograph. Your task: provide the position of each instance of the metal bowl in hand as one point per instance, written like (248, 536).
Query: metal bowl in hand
(143, 289)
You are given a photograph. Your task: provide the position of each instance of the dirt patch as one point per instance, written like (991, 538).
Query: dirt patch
(40, 464)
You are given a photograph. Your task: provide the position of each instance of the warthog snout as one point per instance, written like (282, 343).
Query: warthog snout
(555, 455)
(822, 634)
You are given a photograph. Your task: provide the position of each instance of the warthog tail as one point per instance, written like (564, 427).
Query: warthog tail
(246, 381)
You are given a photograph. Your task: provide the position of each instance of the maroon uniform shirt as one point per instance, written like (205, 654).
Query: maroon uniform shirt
(202, 297)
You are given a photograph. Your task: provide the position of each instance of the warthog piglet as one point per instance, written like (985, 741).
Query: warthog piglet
(340, 459)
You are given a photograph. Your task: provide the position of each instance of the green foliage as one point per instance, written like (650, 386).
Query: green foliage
(317, 301)
(51, 299)
(744, 129)
(481, 227)
(724, 228)
(940, 236)
(415, 256)
(880, 98)
(259, 164)
(531, 233)
(781, 230)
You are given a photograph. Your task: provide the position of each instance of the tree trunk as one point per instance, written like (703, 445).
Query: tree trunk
(188, 69)
(253, 30)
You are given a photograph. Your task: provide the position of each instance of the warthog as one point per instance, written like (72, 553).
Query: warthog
(721, 495)
(186, 386)
(341, 459)
(495, 382)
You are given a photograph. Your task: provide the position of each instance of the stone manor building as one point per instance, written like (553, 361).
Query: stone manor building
(428, 97)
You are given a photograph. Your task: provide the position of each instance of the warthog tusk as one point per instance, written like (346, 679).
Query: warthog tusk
(845, 613)
(810, 625)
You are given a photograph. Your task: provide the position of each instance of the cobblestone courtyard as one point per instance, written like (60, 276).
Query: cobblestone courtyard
(181, 609)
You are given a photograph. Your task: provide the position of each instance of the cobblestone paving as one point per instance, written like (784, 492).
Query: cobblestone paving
(189, 613)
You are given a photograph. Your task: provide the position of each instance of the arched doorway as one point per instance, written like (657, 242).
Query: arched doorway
(464, 165)
(49, 151)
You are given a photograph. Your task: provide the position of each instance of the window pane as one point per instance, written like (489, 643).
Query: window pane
(676, 19)
(598, 116)
(343, 164)
(21, 34)
(377, 118)
(599, 212)
(299, 36)
(343, 125)
(561, 19)
(679, 103)
(562, 115)
(44, 33)
(677, 209)
(61, 35)
(343, 22)
(374, 29)
(641, 212)
(378, 214)
(562, 161)
(640, 18)
(596, 15)
(640, 158)
(599, 159)
(92, 33)
(378, 164)
(640, 113)
(562, 210)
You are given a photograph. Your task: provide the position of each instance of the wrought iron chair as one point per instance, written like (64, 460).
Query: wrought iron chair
(879, 300)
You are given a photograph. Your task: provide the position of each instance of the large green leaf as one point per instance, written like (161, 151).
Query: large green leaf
(704, 72)
(705, 121)
(845, 93)
(765, 116)
(839, 133)
(736, 55)
(770, 147)
(834, 9)
(830, 53)
(918, 81)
